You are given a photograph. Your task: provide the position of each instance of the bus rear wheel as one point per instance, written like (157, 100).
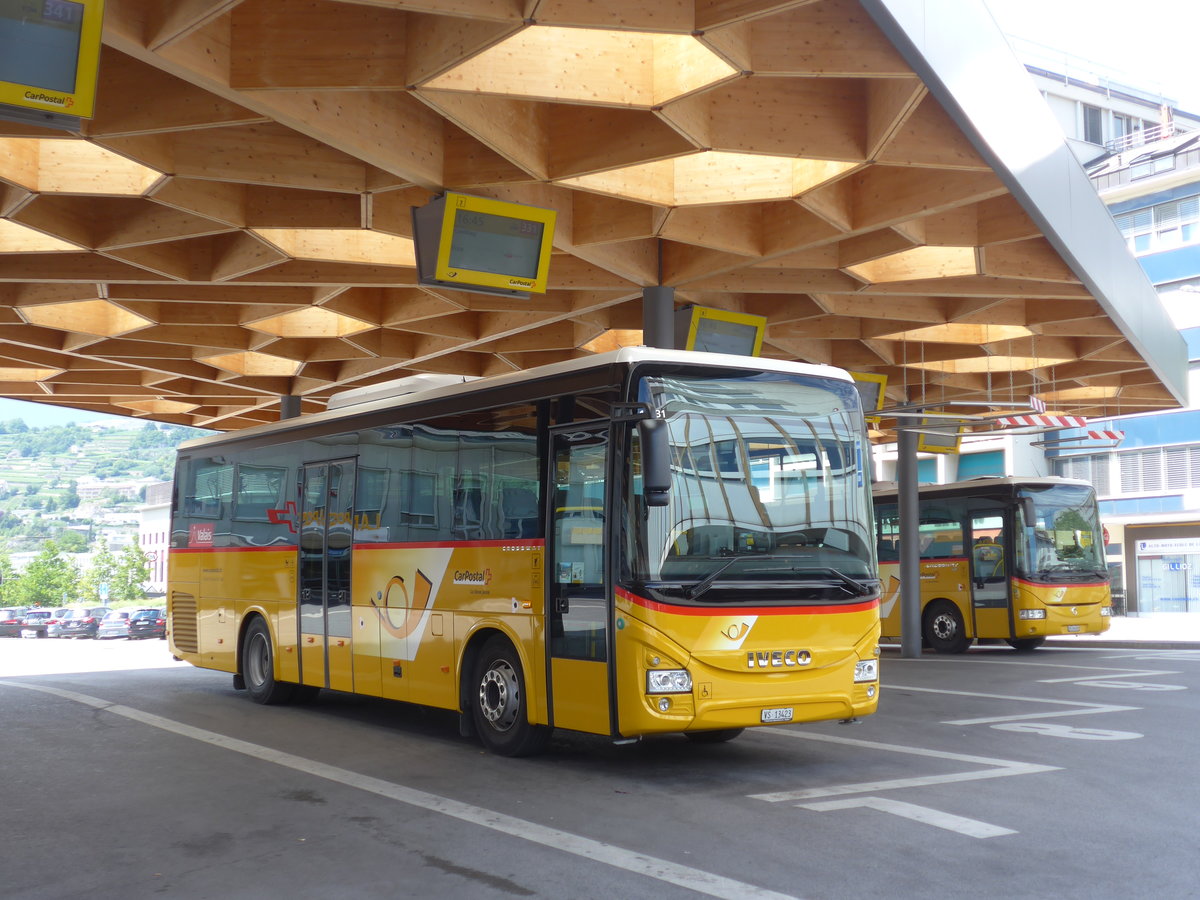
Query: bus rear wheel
(1025, 644)
(499, 704)
(943, 629)
(258, 667)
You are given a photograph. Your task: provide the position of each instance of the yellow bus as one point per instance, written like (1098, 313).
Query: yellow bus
(1012, 559)
(639, 542)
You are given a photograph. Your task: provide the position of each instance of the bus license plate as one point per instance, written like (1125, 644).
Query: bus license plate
(1074, 629)
(777, 714)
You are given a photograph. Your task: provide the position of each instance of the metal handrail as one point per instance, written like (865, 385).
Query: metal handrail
(1145, 136)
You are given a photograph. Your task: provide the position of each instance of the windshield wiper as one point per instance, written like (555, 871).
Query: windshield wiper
(852, 587)
(707, 581)
(856, 588)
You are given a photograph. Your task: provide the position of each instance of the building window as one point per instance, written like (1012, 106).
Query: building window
(1152, 167)
(1093, 469)
(1160, 469)
(1162, 227)
(1093, 133)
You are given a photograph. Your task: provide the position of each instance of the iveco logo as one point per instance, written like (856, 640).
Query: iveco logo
(777, 659)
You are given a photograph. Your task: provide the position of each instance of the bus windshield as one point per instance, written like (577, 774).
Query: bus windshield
(1064, 542)
(769, 496)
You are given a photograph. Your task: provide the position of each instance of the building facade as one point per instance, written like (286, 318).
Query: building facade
(1142, 154)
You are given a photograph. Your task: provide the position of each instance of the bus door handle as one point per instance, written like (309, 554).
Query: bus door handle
(562, 604)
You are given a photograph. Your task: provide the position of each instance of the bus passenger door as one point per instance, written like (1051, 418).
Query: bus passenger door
(577, 586)
(989, 565)
(326, 542)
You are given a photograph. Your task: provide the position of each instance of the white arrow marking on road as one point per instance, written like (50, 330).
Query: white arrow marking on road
(970, 827)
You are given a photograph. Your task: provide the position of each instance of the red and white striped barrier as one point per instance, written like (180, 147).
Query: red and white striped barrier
(1042, 422)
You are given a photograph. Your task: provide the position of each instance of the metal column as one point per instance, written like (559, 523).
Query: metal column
(910, 545)
(289, 406)
(658, 317)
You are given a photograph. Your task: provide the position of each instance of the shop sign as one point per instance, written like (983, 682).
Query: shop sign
(1168, 547)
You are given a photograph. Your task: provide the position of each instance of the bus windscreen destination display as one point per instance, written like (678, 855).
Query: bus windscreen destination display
(496, 244)
(483, 245)
(49, 51)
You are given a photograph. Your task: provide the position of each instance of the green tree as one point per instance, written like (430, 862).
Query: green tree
(71, 541)
(133, 571)
(8, 579)
(49, 580)
(101, 576)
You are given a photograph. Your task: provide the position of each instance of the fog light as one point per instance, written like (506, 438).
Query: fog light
(871, 691)
(664, 703)
(866, 670)
(1031, 614)
(1106, 610)
(668, 681)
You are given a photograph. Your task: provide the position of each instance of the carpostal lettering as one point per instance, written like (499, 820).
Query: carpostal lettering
(467, 576)
(39, 97)
(519, 282)
(777, 659)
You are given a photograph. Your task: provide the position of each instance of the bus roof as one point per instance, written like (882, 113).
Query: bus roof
(411, 389)
(889, 488)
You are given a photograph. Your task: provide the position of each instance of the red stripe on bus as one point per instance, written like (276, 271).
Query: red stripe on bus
(289, 547)
(1053, 584)
(655, 606)
(523, 543)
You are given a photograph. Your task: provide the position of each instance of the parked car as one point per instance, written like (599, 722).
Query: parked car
(10, 621)
(36, 623)
(82, 622)
(115, 624)
(54, 623)
(148, 623)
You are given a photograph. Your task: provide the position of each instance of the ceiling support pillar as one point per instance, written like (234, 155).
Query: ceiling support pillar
(910, 541)
(289, 406)
(658, 317)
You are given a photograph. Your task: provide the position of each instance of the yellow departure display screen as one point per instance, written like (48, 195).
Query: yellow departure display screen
(49, 51)
(500, 244)
(483, 245)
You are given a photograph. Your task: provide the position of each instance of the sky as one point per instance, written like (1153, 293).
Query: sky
(41, 415)
(1152, 42)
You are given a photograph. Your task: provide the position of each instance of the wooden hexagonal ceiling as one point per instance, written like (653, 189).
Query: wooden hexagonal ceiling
(234, 223)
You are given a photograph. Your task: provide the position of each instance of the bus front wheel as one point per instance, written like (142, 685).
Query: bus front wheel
(499, 703)
(258, 667)
(943, 628)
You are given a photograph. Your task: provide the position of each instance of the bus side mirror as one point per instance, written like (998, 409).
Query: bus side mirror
(1028, 512)
(656, 462)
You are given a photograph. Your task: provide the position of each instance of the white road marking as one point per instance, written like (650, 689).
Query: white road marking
(970, 827)
(1076, 708)
(1053, 729)
(1131, 685)
(619, 858)
(1000, 768)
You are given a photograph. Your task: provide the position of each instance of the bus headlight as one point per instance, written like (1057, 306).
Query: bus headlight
(1106, 610)
(1031, 614)
(668, 681)
(866, 670)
